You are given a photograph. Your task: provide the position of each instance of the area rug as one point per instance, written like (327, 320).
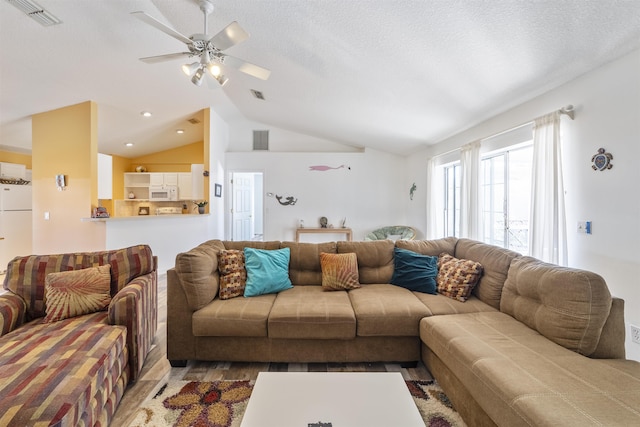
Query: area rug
(222, 404)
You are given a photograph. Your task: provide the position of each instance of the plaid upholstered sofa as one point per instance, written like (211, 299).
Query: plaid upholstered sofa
(59, 367)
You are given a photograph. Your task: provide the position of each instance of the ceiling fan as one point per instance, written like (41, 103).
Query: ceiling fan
(208, 49)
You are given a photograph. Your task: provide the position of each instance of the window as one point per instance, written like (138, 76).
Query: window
(506, 197)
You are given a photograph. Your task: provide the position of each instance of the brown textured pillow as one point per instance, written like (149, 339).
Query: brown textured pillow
(457, 277)
(76, 292)
(339, 271)
(233, 274)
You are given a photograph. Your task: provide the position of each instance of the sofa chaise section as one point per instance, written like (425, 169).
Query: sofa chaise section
(533, 362)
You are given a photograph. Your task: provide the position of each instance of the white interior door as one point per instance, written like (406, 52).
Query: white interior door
(242, 213)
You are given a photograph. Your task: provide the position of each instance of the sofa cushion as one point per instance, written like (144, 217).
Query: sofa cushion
(233, 274)
(429, 247)
(457, 277)
(304, 265)
(519, 377)
(339, 271)
(495, 266)
(375, 259)
(236, 317)
(439, 304)
(241, 244)
(566, 305)
(198, 273)
(76, 292)
(414, 271)
(25, 275)
(51, 373)
(308, 312)
(386, 310)
(267, 271)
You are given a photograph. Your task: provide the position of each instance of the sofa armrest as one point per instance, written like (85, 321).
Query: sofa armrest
(13, 311)
(181, 343)
(136, 307)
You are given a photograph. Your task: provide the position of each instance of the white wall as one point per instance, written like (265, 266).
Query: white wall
(370, 194)
(218, 144)
(607, 102)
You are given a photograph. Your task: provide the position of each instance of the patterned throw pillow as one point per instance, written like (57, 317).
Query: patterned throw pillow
(457, 277)
(76, 292)
(339, 271)
(233, 275)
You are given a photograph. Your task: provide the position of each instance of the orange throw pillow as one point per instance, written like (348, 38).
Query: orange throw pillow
(339, 271)
(76, 292)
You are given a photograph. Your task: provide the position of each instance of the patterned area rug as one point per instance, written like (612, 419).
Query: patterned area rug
(222, 404)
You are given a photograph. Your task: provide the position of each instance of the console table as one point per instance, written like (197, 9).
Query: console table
(345, 231)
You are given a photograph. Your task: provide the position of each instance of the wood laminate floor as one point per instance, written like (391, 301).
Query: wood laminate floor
(157, 370)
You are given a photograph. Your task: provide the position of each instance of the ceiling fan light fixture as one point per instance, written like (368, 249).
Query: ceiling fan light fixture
(214, 69)
(222, 79)
(189, 69)
(198, 77)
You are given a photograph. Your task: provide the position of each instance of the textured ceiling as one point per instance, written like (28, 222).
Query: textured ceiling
(389, 74)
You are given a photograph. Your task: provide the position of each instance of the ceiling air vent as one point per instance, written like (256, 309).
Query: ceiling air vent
(257, 94)
(36, 12)
(193, 121)
(260, 140)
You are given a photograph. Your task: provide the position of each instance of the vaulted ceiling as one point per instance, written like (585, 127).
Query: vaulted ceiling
(394, 75)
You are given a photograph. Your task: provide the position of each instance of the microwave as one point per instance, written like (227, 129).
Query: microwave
(163, 193)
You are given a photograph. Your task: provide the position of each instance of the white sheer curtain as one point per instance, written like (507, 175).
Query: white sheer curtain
(434, 204)
(547, 230)
(470, 188)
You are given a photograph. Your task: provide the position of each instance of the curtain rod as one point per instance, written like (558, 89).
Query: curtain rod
(568, 110)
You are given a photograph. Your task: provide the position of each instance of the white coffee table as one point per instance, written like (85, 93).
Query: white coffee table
(344, 399)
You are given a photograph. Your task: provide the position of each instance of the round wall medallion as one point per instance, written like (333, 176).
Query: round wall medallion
(601, 160)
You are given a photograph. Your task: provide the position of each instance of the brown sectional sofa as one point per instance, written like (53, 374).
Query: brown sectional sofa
(536, 344)
(73, 372)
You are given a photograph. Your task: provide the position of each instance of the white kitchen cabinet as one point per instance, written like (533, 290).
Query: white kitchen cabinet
(138, 184)
(170, 178)
(197, 181)
(156, 178)
(184, 186)
(160, 178)
(12, 170)
(105, 176)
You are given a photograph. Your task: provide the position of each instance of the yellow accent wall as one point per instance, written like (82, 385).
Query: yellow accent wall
(173, 160)
(65, 141)
(19, 158)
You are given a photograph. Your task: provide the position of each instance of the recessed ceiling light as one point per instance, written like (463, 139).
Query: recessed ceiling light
(146, 114)
(128, 144)
(180, 131)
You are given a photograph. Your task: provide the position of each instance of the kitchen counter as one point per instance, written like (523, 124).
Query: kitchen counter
(137, 217)
(167, 235)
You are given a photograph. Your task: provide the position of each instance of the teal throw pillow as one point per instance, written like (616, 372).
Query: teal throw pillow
(414, 271)
(267, 271)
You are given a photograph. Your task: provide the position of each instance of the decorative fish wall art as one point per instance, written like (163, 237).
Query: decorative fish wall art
(324, 168)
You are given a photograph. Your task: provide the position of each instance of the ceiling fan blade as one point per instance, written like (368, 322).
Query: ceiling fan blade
(231, 35)
(162, 58)
(160, 26)
(246, 67)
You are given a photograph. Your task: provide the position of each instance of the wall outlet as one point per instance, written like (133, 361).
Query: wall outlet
(635, 334)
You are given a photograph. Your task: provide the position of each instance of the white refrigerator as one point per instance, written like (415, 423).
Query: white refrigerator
(16, 223)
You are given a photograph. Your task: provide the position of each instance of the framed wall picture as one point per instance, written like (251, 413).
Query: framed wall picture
(218, 190)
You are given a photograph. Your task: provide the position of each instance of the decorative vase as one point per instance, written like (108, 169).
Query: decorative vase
(200, 209)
